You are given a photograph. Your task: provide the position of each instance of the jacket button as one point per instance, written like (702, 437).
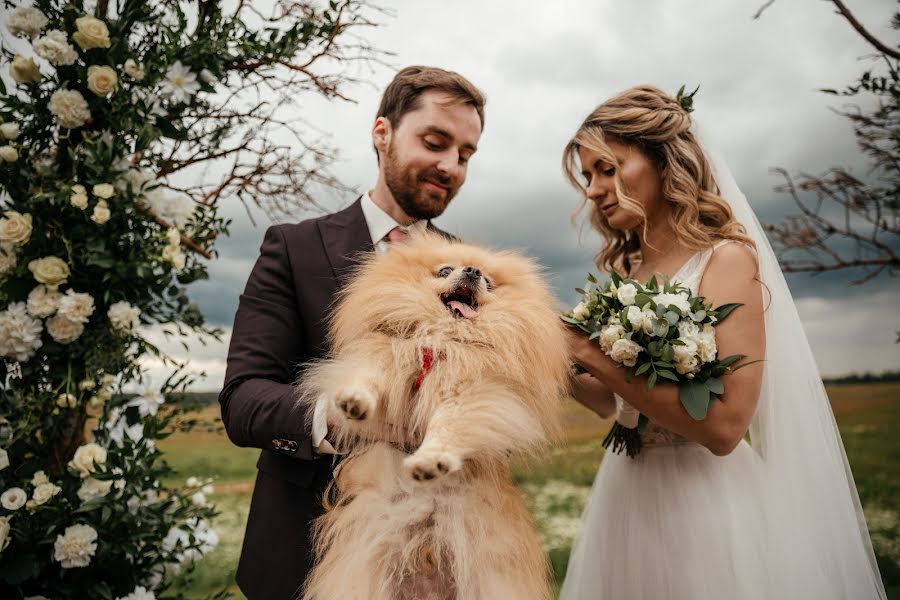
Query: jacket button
(284, 445)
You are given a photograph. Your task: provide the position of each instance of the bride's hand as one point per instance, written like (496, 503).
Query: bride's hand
(582, 351)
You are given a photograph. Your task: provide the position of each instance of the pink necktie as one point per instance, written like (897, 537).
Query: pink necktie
(397, 235)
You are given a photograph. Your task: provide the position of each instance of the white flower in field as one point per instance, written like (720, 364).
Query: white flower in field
(43, 302)
(64, 330)
(625, 352)
(9, 130)
(198, 499)
(86, 457)
(679, 300)
(148, 402)
(55, 47)
(4, 533)
(26, 21)
(610, 334)
(79, 197)
(76, 546)
(20, 333)
(706, 344)
(124, 316)
(13, 498)
(24, 70)
(134, 69)
(43, 493)
(641, 320)
(9, 153)
(208, 489)
(93, 488)
(8, 259)
(207, 76)
(15, 228)
(4, 459)
(70, 108)
(76, 306)
(174, 255)
(101, 213)
(39, 478)
(180, 83)
(102, 80)
(92, 33)
(66, 401)
(139, 593)
(192, 482)
(626, 294)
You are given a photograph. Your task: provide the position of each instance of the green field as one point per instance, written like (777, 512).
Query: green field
(557, 487)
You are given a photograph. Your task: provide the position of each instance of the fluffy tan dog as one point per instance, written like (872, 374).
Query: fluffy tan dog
(456, 354)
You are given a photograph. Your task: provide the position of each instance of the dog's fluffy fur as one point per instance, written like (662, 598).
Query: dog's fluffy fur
(443, 522)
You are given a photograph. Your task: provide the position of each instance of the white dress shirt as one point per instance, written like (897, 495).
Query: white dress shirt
(380, 224)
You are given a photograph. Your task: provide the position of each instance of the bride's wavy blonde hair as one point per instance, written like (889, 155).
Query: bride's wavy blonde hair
(654, 122)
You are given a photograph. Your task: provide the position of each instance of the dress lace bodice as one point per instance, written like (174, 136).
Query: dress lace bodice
(689, 275)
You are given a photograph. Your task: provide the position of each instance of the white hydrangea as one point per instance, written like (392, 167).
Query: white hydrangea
(13, 499)
(20, 333)
(625, 352)
(124, 316)
(64, 330)
(70, 108)
(76, 547)
(55, 47)
(76, 306)
(86, 459)
(139, 593)
(26, 21)
(43, 301)
(93, 488)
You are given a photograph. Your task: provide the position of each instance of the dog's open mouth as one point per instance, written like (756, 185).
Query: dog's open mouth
(461, 302)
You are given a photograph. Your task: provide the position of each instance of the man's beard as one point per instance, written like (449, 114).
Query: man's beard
(409, 188)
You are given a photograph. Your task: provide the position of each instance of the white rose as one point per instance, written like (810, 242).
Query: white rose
(4, 533)
(101, 213)
(64, 330)
(8, 153)
(56, 48)
(44, 492)
(134, 69)
(92, 33)
(102, 80)
(42, 302)
(24, 70)
(611, 334)
(79, 197)
(26, 21)
(50, 270)
(86, 457)
(104, 191)
(626, 294)
(39, 478)
(641, 320)
(124, 316)
(76, 306)
(625, 352)
(70, 108)
(679, 300)
(93, 488)
(20, 333)
(578, 312)
(4, 459)
(76, 546)
(9, 130)
(8, 259)
(13, 498)
(15, 228)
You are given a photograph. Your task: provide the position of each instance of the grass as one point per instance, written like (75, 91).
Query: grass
(557, 487)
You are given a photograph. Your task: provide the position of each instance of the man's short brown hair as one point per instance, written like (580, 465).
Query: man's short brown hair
(403, 93)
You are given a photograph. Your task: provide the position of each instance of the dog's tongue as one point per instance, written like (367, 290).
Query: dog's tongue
(462, 308)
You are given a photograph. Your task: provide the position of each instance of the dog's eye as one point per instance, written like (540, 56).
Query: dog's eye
(445, 272)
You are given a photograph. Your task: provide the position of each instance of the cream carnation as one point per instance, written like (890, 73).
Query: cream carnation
(124, 316)
(70, 108)
(63, 329)
(92, 33)
(15, 228)
(76, 546)
(102, 80)
(26, 21)
(13, 498)
(56, 48)
(611, 334)
(86, 457)
(24, 70)
(93, 488)
(9, 153)
(101, 213)
(625, 352)
(50, 270)
(76, 306)
(43, 302)
(20, 334)
(134, 69)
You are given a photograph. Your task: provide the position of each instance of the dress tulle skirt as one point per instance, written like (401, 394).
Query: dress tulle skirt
(674, 523)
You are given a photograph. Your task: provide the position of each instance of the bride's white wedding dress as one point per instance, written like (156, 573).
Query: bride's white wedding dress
(676, 522)
(777, 519)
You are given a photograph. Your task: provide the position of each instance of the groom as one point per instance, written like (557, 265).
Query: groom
(426, 130)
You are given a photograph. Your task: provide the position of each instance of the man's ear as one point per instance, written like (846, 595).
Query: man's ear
(381, 134)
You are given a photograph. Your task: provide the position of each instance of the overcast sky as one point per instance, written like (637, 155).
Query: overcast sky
(545, 65)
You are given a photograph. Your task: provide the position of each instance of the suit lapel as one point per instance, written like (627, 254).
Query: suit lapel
(346, 238)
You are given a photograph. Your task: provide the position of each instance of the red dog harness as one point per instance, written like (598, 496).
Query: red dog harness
(428, 358)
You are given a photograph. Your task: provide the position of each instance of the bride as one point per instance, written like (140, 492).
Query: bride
(757, 500)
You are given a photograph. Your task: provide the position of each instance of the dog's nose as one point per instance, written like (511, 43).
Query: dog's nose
(472, 272)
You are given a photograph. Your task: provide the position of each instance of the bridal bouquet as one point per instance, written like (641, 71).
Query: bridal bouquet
(657, 331)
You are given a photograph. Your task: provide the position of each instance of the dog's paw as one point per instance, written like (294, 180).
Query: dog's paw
(356, 403)
(431, 464)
